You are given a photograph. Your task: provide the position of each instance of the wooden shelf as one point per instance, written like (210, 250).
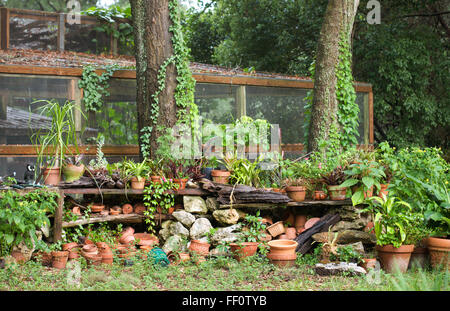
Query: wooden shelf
(320, 203)
(289, 204)
(187, 191)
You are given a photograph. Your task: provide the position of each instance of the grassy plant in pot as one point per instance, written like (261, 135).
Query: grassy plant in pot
(56, 141)
(296, 188)
(392, 223)
(334, 179)
(245, 172)
(137, 173)
(249, 238)
(362, 177)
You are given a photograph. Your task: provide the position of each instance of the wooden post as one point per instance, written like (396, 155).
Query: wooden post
(366, 119)
(75, 95)
(4, 100)
(61, 32)
(371, 139)
(4, 26)
(57, 225)
(114, 42)
(241, 101)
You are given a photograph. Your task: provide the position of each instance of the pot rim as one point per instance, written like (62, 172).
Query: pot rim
(282, 244)
(391, 249)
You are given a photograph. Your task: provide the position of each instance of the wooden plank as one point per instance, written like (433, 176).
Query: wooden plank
(126, 218)
(320, 203)
(186, 191)
(57, 226)
(371, 136)
(289, 204)
(30, 150)
(262, 206)
(61, 32)
(4, 35)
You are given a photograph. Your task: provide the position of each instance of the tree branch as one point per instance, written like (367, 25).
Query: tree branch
(426, 15)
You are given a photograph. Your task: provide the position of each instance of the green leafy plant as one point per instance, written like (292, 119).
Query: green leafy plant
(100, 161)
(22, 214)
(157, 195)
(346, 253)
(253, 229)
(138, 170)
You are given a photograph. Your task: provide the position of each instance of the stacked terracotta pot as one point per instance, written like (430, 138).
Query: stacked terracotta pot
(91, 254)
(282, 252)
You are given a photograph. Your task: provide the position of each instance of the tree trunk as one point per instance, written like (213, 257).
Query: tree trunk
(153, 46)
(339, 18)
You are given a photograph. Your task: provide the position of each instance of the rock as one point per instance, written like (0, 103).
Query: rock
(173, 243)
(200, 228)
(342, 225)
(226, 216)
(347, 212)
(212, 204)
(187, 219)
(166, 224)
(358, 247)
(164, 233)
(225, 234)
(177, 228)
(346, 237)
(25, 250)
(192, 185)
(194, 204)
(339, 268)
(218, 252)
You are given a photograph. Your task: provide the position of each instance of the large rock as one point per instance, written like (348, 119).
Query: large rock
(177, 228)
(225, 234)
(346, 237)
(25, 250)
(194, 204)
(187, 219)
(346, 212)
(226, 216)
(212, 204)
(164, 233)
(166, 224)
(173, 243)
(358, 247)
(200, 228)
(357, 224)
(242, 214)
(339, 268)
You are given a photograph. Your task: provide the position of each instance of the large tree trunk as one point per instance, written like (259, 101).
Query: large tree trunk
(339, 18)
(153, 46)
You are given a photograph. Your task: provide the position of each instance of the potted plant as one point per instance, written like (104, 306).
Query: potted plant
(56, 140)
(155, 170)
(249, 238)
(334, 179)
(73, 168)
(59, 257)
(137, 173)
(99, 164)
(363, 177)
(392, 226)
(222, 176)
(178, 172)
(296, 188)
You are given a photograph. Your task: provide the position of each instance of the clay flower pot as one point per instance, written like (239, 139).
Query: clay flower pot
(177, 258)
(282, 252)
(146, 239)
(199, 247)
(319, 195)
(128, 239)
(72, 172)
(419, 258)
(89, 249)
(76, 210)
(383, 190)
(394, 259)
(52, 176)
(291, 233)
(18, 256)
(59, 259)
(127, 208)
(336, 193)
(115, 210)
(74, 253)
(155, 179)
(69, 246)
(97, 208)
(299, 222)
(276, 229)
(311, 222)
(369, 263)
(220, 176)
(182, 182)
(243, 250)
(137, 184)
(439, 249)
(296, 193)
(139, 208)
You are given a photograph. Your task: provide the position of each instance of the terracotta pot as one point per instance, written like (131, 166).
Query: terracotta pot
(311, 222)
(107, 257)
(139, 208)
(336, 193)
(319, 195)
(18, 256)
(52, 176)
(155, 179)
(95, 259)
(146, 248)
(369, 263)
(276, 229)
(439, 249)
(221, 176)
(265, 237)
(419, 258)
(102, 246)
(90, 249)
(291, 233)
(69, 246)
(146, 239)
(383, 190)
(289, 218)
(394, 259)
(137, 184)
(127, 208)
(282, 252)
(128, 239)
(115, 210)
(114, 213)
(74, 253)
(170, 210)
(283, 237)
(97, 208)
(76, 210)
(59, 259)
(243, 250)
(177, 258)
(45, 258)
(182, 182)
(267, 220)
(199, 247)
(296, 193)
(300, 221)
(72, 172)
(369, 227)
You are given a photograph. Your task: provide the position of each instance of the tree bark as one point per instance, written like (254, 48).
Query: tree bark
(153, 46)
(339, 18)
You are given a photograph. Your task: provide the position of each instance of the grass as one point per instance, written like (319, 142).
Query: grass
(217, 274)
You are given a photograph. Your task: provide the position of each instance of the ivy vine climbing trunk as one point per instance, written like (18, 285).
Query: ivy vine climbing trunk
(337, 26)
(155, 99)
